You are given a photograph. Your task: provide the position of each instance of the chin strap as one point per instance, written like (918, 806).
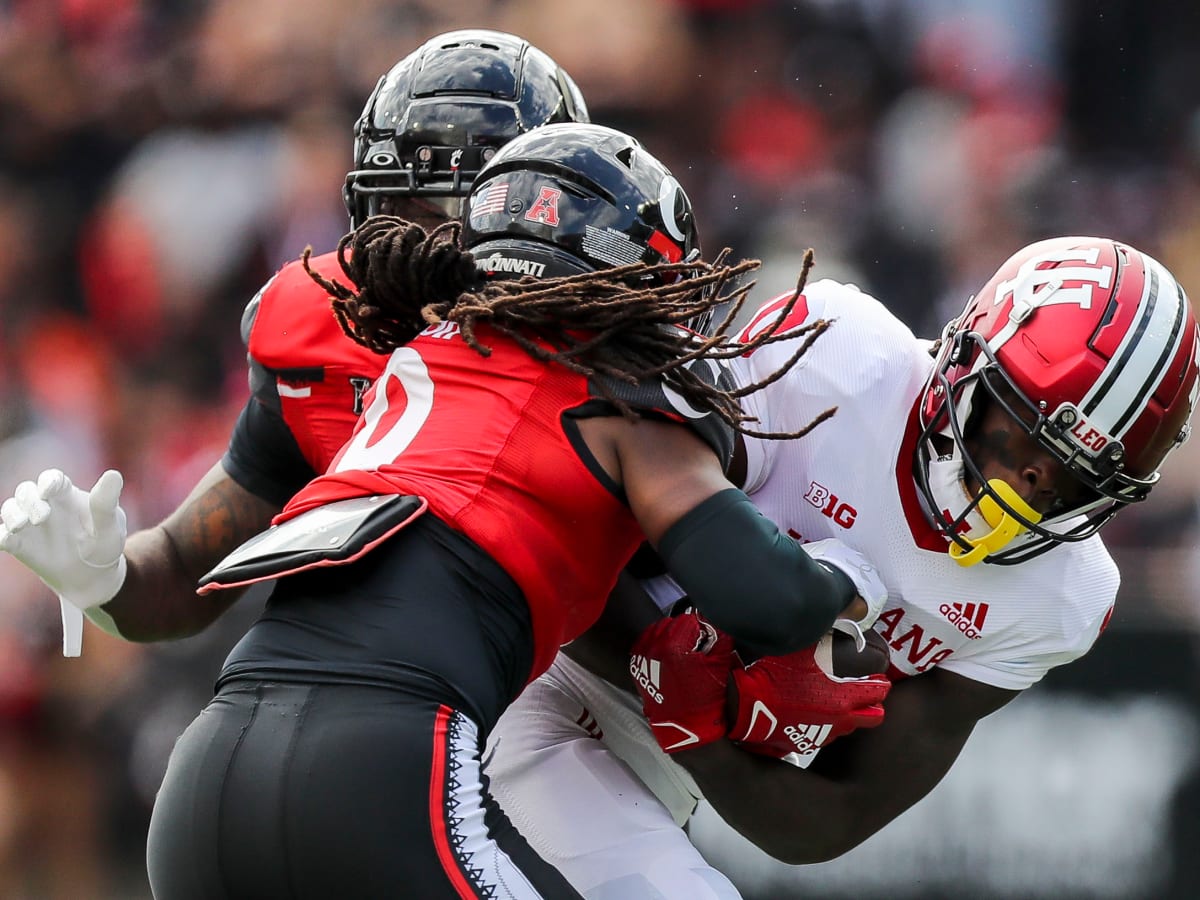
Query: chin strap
(1004, 526)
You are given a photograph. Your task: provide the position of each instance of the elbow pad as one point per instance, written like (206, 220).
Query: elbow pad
(751, 580)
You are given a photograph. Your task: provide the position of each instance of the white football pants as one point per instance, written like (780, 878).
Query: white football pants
(570, 763)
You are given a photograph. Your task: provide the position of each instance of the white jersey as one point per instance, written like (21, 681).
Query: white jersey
(574, 763)
(851, 479)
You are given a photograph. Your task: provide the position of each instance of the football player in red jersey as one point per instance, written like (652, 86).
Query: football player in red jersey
(431, 123)
(417, 151)
(523, 435)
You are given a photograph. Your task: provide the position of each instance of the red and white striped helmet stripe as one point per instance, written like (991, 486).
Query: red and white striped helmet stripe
(1145, 355)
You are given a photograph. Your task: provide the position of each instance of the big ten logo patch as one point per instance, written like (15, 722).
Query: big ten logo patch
(843, 514)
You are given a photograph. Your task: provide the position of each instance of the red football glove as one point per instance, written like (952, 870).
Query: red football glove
(790, 704)
(681, 665)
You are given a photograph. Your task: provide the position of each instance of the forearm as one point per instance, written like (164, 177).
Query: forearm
(158, 599)
(855, 786)
(794, 815)
(750, 580)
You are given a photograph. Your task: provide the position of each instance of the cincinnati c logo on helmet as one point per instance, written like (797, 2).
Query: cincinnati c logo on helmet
(669, 193)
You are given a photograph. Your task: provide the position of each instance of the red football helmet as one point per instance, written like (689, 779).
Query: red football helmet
(1092, 346)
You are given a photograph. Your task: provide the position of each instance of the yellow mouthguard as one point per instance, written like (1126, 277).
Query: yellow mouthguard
(1004, 526)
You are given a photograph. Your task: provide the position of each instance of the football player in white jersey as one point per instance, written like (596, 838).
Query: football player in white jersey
(974, 473)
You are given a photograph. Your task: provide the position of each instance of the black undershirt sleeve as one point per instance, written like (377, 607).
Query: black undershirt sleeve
(751, 580)
(263, 456)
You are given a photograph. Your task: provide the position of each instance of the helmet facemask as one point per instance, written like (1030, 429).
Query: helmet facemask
(433, 182)
(995, 524)
(440, 115)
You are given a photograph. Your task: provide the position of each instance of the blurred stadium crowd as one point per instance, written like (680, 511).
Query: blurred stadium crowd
(159, 159)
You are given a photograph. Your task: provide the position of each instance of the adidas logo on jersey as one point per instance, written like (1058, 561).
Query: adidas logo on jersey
(966, 617)
(647, 673)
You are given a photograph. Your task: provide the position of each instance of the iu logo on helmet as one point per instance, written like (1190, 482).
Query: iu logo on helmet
(1033, 287)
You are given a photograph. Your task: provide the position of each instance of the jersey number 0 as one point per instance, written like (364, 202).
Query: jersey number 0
(396, 410)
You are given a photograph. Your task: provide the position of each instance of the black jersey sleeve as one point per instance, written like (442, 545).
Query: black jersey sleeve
(751, 580)
(263, 456)
(655, 396)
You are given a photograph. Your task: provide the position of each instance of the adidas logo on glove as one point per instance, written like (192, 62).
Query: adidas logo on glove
(807, 739)
(647, 673)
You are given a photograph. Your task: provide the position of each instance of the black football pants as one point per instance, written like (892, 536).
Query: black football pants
(324, 791)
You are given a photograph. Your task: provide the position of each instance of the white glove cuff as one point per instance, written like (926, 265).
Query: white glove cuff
(860, 571)
(108, 582)
(104, 584)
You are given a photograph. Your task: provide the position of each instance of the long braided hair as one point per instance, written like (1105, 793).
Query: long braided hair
(611, 322)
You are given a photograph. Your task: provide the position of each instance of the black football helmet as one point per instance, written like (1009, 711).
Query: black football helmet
(570, 198)
(444, 110)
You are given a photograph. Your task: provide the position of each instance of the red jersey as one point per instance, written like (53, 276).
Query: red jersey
(300, 354)
(488, 442)
(560, 530)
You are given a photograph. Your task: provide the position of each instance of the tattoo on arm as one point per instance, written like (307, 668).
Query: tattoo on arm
(209, 525)
(159, 600)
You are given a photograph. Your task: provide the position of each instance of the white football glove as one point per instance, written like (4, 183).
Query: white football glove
(832, 552)
(74, 540)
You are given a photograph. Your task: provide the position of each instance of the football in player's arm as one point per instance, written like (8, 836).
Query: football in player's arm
(856, 785)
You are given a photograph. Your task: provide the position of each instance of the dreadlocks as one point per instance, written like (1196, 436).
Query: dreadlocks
(610, 322)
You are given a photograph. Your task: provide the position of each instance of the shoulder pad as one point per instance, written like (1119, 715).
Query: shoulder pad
(250, 313)
(657, 396)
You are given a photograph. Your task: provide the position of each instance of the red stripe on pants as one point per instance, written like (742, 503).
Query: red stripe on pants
(437, 807)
